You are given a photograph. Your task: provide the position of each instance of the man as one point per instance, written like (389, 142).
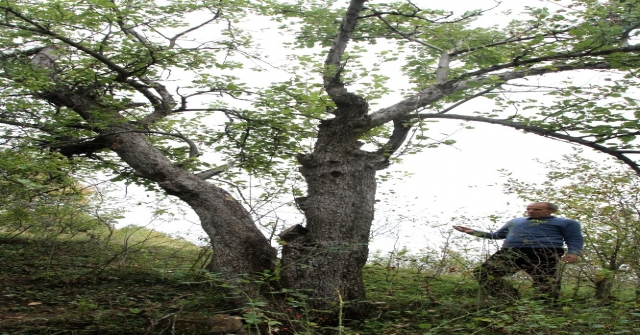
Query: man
(535, 244)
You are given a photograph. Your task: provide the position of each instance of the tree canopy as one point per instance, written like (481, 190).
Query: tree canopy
(151, 91)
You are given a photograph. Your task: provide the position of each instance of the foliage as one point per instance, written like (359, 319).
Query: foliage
(101, 281)
(97, 39)
(73, 286)
(151, 91)
(43, 196)
(437, 47)
(102, 42)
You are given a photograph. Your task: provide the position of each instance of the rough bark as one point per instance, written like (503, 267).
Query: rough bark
(239, 246)
(325, 262)
(240, 249)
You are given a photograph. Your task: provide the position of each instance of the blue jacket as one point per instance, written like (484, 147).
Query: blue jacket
(549, 232)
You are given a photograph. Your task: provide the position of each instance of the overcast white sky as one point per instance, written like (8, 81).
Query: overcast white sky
(447, 181)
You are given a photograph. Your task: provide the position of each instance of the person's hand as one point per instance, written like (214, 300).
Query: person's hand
(463, 229)
(570, 258)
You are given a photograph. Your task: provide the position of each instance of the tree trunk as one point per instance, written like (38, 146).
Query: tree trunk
(603, 289)
(240, 249)
(604, 283)
(239, 246)
(325, 262)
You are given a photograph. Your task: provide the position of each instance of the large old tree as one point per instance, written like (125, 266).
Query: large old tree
(142, 88)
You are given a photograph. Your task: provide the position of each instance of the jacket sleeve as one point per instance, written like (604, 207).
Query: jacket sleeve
(499, 234)
(572, 234)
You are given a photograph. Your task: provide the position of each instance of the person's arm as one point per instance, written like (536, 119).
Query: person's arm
(572, 234)
(496, 235)
(463, 229)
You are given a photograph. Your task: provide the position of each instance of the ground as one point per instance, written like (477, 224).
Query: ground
(51, 287)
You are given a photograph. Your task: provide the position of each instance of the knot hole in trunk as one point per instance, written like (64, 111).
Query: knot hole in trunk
(336, 174)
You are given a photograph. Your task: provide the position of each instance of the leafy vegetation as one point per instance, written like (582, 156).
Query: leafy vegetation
(136, 281)
(100, 282)
(170, 95)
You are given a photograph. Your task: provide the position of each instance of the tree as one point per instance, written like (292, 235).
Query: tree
(91, 80)
(604, 198)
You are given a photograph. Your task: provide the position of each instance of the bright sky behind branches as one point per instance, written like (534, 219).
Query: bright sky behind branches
(448, 181)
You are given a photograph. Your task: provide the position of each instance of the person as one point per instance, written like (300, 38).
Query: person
(535, 244)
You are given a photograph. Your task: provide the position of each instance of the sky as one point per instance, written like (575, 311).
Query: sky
(438, 184)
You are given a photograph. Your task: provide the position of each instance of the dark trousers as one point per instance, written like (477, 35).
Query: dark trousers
(540, 263)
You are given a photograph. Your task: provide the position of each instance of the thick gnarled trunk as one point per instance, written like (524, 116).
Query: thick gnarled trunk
(325, 262)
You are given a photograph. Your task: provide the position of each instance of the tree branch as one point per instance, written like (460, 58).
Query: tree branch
(333, 65)
(172, 40)
(87, 146)
(415, 12)
(407, 36)
(70, 148)
(193, 148)
(162, 105)
(434, 93)
(41, 30)
(589, 54)
(401, 128)
(619, 154)
(214, 172)
(467, 99)
(508, 40)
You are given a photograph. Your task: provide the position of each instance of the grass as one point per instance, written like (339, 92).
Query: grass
(412, 302)
(88, 286)
(135, 281)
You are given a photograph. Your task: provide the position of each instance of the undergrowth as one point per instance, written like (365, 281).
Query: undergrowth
(136, 281)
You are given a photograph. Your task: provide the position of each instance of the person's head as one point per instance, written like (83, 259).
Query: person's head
(541, 209)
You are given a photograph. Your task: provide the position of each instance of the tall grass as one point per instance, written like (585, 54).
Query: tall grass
(138, 281)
